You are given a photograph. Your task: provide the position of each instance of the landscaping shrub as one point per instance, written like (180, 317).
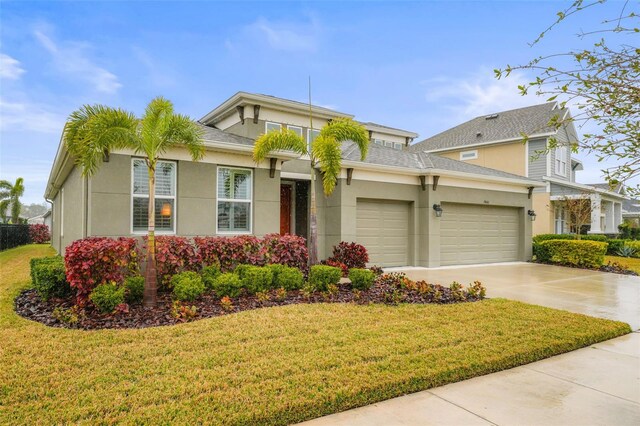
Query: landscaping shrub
(229, 252)
(361, 279)
(97, 260)
(48, 277)
(594, 237)
(134, 289)
(286, 277)
(344, 269)
(290, 250)
(633, 245)
(546, 237)
(353, 255)
(321, 276)
(629, 231)
(574, 252)
(614, 246)
(209, 275)
(106, 297)
(227, 284)
(240, 270)
(625, 251)
(187, 286)
(175, 255)
(39, 233)
(257, 279)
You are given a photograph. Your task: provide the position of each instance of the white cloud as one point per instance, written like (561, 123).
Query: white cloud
(283, 36)
(29, 116)
(10, 68)
(71, 59)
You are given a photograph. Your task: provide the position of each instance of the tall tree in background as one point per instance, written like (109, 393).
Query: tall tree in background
(95, 130)
(10, 197)
(325, 152)
(602, 81)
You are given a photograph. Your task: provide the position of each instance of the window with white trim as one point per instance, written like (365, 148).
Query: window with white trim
(469, 155)
(378, 142)
(388, 144)
(269, 127)
(234, 200)
(397, 145)
(296, 129)
(165, 196)
(312, 134)
(559, 220)
(561, 160)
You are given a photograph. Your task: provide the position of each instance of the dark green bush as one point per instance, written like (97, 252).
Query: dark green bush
(574, 252)
(48, 277)
(594, 237)
(240, 270)
(362, 279)
(209, 276)
(257, 279)
(286, 277)
(107, 296)
(321, 276)
(187, 286)
(227, 285)
(134, 289)
(614, 247)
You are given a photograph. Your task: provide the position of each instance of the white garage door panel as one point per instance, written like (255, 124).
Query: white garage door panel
(383, 228)
(472, 233)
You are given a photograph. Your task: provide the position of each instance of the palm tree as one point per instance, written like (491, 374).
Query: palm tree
(10, 195)
(93, 131)
(324, 151)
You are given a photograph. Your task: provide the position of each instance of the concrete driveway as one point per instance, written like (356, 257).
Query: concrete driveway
(598, 385)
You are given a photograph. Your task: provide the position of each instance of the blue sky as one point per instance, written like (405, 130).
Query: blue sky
(421, 66)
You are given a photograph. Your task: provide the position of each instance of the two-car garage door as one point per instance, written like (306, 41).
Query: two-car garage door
(383, 228)
(472, 234)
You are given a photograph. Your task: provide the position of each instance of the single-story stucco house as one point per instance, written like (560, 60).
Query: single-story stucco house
(407, 207)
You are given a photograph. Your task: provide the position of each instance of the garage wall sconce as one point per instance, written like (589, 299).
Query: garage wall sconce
(532, 215)
(438, 209)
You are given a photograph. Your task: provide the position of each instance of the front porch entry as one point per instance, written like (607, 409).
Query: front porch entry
(294, 207)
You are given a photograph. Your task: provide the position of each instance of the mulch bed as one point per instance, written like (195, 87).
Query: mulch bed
(29, 305)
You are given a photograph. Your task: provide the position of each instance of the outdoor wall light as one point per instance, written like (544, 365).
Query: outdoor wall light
(532, 215)
(438, 209)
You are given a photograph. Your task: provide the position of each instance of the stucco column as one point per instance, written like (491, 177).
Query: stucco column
(595, 214)
(609, 222)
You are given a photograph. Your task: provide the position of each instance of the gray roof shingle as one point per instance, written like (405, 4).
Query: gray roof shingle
(503, 125)
(216, 135)
(631, 206)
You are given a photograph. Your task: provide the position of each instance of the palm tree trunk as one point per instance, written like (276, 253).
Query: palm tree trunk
(313, 213)
(150, 277)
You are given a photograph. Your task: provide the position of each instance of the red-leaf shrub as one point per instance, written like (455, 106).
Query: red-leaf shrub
(39, 233)
(231, 251)
(290, 250)
(175, 255)
(353, 255)
(96, 260)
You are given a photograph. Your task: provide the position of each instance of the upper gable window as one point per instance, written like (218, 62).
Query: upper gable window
(561, 160)
(397, 145)
(296, 129)
(378, 142)
(469, 155)
(269, 127)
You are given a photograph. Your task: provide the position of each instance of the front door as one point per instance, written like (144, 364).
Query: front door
(285, 209)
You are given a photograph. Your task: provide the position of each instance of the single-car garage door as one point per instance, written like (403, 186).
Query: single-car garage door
(383, 228)
(471, 234)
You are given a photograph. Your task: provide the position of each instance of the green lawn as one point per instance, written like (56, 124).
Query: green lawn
(272, 366)
(632, 263)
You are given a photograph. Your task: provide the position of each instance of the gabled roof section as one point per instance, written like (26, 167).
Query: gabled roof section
(212, 135)
(389, 130)
(228, 107)
(497, 127)
(619, 189)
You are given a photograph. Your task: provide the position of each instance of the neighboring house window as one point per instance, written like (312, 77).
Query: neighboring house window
(388, 144)
(378, 142)
(296, 129)
(269, 127)
(312, 134)
(559, 222)
(469, 155)
(234, 200)
(561, 160)
(397, 145)
(165, 196)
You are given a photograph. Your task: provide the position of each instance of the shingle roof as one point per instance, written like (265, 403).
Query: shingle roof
(216, 135)
(384, 156)
(631, 206)
(606, 187)
(503, 125)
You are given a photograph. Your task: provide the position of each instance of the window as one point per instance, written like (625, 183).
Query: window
(269, 127)
(561, 160)
(234, 200)
(296, 129)
(559, 220)
(388, 144)
(469, 155)
(312, 134)
(397, 145)
(165, 202)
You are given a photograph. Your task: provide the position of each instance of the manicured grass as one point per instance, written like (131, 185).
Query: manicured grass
(632, 263)
(271, 366)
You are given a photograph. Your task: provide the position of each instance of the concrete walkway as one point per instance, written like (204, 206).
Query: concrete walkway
(598, 385)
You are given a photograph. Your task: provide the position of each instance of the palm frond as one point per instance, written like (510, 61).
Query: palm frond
(153, 125)
(4, 205)
(282, 140)
(326, 150)
(18, 188)
(346, 129)
(182, 130)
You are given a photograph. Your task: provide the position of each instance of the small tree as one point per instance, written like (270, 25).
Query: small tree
(10, 196)
(578, 212)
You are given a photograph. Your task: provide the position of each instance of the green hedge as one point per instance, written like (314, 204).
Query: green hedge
(321, 276)
(187, 286)
(581, 253)
(48, 277)
(256, 279)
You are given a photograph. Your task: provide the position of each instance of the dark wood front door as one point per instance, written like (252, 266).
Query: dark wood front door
(285, 209)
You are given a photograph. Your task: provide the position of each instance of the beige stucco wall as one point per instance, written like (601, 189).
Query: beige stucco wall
(541, 203)
(71, 209)
(511, 158)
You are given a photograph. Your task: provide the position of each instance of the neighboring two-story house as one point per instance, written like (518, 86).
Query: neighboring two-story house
(495, 141)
